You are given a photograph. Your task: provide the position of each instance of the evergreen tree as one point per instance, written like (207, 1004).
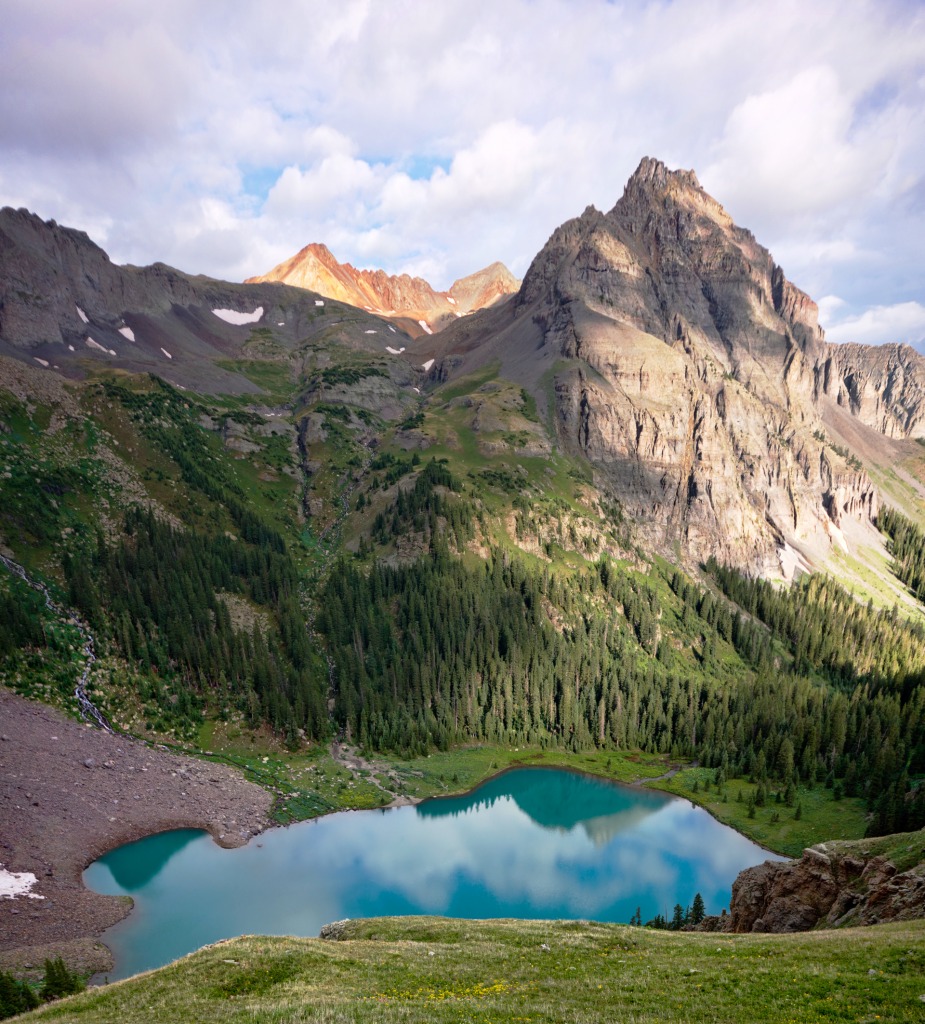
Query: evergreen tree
(15, 996)
(59, 981)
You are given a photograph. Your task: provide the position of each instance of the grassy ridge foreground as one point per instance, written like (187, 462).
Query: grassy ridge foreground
(438, 969)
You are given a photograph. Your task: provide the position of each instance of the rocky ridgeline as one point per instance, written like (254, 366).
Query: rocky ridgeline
(397, 296)
(882, 385)
(684, 365)
(65, 306)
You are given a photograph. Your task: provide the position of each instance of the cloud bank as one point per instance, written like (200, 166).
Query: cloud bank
(436, 138)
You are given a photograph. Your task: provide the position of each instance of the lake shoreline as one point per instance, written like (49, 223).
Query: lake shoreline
(530, 843)
(70, 793)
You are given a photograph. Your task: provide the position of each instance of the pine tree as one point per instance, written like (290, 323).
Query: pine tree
(59, 981)
(15, 996)
(677, 919)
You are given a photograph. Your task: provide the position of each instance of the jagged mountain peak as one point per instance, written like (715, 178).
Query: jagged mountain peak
(668, 250)
(654, 183)
(695, 378)
(652, 171)
(412, 300)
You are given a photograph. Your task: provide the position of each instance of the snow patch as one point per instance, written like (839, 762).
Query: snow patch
(82, 314)
(280, 323)
(17, 883)
(41, 362)
(836, 535)
(70, 348)
(792, 562)
(127, 332)
(392, 329)
(100, 348)
(232, 316)
(426, 366)
(451, 300)
(425, 326)
(417, 391)
(166, 353)
(394, 351)
(370, 332)
(319, 302)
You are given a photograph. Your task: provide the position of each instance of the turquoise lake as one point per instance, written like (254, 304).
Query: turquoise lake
(530, 843)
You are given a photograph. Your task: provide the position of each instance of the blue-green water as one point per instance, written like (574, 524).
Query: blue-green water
(530, 843)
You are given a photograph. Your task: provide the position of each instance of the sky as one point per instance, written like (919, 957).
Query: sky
(434, 137)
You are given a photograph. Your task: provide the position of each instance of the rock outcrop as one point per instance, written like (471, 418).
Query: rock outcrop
(400, 297)
(824, 888)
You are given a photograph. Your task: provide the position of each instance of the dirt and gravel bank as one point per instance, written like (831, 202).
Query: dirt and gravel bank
(69, 793)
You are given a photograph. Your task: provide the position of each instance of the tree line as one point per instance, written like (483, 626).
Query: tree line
(907, 546)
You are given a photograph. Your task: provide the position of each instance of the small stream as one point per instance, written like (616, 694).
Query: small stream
(89, 712)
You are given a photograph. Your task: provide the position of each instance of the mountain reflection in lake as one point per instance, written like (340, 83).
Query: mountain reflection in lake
(531, 843)
(557, 799)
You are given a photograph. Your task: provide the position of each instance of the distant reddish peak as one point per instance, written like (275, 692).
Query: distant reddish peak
(316, 268)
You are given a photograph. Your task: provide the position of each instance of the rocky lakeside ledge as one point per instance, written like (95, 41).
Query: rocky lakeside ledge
(833, 885)
(68, 794)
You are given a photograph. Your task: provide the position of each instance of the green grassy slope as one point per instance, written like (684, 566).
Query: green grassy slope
(438, 970)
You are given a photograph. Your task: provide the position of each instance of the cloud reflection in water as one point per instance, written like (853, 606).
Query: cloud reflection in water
(532, 843)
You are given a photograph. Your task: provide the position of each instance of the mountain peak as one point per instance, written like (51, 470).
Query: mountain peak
(653, 172)
(398, 296)
(674, 329)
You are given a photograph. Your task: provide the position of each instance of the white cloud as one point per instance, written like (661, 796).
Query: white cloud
(793, 149)
(903, 322)
(829, 305)
(336, 179)
(223, 142)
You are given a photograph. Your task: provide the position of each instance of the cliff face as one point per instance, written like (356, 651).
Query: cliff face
(400, 296)
(693, 376)
(825, 888)
(881, 385)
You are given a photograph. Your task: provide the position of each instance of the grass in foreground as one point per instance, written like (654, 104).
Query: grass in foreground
(436, 970)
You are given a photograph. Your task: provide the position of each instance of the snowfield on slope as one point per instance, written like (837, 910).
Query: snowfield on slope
(233, 316)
